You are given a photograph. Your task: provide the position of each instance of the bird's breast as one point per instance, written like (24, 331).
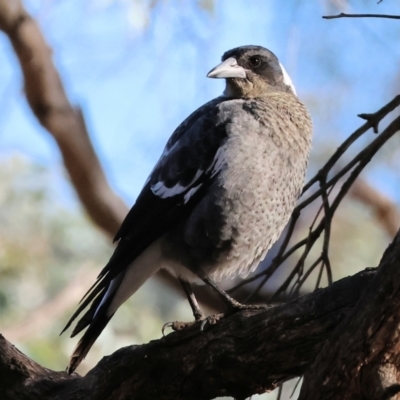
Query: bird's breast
(263, 176)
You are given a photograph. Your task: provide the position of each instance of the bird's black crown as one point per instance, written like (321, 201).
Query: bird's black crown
(261, 65)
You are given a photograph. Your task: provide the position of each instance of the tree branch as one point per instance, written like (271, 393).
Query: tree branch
(362, 358)
(46, 96)
(343, 15)
(246, 353)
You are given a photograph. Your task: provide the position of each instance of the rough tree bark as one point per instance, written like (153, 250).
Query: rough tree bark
(362, 359)
(351, 328)
(245, 353)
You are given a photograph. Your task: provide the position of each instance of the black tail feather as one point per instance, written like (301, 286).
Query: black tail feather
(88, 317)
(95, 318)
(97, 291)
(87, 340)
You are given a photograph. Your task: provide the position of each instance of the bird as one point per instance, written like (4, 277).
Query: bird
(219, 196)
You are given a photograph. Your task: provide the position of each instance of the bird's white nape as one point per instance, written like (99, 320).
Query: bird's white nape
(286, 79)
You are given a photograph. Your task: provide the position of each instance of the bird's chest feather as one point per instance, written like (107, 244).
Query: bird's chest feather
(262, 165)
(264, 171)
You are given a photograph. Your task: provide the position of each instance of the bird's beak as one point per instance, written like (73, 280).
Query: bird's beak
(227, 69)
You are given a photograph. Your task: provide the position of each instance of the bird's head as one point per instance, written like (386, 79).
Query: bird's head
(252, 71)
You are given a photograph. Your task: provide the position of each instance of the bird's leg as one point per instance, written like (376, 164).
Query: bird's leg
(197, 313)
(230, 301)
(233, 305)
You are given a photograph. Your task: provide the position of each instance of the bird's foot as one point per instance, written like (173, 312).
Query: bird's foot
(179, 325)
(211, 320)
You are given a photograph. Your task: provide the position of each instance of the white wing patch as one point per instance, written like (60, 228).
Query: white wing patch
(191, 192)
(160, 190)
(286, 79)
(216, 166)
(218, 162)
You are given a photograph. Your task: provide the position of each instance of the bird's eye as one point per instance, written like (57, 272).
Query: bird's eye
(255, 61)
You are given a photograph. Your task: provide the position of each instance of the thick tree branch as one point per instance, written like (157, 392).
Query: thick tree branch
(246, 353)
(362, 358)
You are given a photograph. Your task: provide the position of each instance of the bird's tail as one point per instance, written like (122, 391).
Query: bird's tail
(86, 342)
(105, 297)
(96, 318)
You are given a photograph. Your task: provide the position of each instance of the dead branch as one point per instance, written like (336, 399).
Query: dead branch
(344, 15)
(362, 358)
(248, 352)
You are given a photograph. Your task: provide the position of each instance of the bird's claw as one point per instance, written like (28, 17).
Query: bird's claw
(165, 326)
(211, 319)
(176, 326)
(179, 326)
(203, 324)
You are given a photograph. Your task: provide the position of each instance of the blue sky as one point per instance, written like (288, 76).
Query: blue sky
(138, 72)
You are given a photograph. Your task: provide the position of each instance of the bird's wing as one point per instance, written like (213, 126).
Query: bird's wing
(188, 165)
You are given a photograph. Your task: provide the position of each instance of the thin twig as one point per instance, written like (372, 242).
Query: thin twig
(296, 386)
(318, 281)
(298, 284)
(280, 390)
(327, 232)
(343, 15)
(372, 122)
